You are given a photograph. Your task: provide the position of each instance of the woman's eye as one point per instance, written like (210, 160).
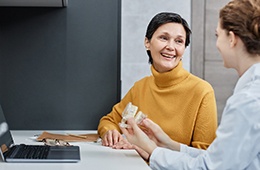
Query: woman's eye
(163, 38)
(179, 41)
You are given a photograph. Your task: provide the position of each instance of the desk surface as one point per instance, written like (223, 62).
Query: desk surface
(94, 156)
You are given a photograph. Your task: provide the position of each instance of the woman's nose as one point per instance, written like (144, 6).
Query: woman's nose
(170, 46)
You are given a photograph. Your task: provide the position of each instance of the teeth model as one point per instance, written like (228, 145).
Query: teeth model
(130, 111)
(140, 117)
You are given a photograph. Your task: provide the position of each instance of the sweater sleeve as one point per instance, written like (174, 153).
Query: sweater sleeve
(111, 120)
(206, 122)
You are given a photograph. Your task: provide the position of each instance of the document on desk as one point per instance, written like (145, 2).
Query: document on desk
(69, 137)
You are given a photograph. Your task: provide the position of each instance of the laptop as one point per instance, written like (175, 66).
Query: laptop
(10, 152)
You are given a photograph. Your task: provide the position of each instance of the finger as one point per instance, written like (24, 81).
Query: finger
(120, 137)
(117, 145)
(142, 127)
(127, 146)
(125, 131)
(149, 124)
(115, 136)
(131, 122)
(123, 144)
(109, 138)
(104, 140)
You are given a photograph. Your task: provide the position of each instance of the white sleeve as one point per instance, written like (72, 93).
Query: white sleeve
(165, 159)
(236, 146)
(237, 143)
(193, 152)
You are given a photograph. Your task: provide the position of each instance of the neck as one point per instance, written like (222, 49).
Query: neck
(170, 78)
(246, 62)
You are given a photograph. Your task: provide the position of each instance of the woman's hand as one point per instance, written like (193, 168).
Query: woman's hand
(111, 138)
(150, 134)
(123, 144)
(137, 137)
(156, 134)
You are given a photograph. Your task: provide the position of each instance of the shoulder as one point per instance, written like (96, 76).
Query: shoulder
(141, 84)
(199, 84)
(242, 108)
(144, 80)
(245, 100)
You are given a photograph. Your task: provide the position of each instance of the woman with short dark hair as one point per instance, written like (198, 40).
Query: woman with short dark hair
(181, 103)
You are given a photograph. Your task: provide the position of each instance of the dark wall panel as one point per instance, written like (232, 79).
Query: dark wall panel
(60, 67)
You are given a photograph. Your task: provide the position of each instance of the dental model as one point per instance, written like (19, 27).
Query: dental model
(140, 117)
(130, 111)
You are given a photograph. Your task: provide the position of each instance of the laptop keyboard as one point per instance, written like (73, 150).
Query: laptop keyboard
(28, 152)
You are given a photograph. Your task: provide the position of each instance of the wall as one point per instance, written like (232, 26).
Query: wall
(60, 67)
(206, 61)
(136, 15)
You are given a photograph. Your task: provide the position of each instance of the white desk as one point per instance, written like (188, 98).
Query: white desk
(94, 156)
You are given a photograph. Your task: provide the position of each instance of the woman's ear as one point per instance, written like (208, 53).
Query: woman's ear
(232, 39)
(147, 43)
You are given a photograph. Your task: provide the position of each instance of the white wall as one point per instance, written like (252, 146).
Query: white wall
(136, 15)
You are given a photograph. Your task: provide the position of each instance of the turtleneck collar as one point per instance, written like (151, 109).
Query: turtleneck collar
(172, 77)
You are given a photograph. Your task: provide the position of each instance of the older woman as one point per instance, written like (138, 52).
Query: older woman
(181, 103)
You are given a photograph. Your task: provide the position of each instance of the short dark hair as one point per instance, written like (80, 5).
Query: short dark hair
(164, 18)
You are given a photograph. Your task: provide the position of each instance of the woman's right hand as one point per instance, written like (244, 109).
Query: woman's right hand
(111, 138)
(156, 134)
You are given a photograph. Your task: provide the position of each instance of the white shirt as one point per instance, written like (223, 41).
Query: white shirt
(237, 145)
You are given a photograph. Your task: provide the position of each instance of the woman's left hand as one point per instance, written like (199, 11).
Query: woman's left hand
(137, 137)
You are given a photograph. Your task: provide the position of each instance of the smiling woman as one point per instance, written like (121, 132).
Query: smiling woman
(166, 46)
(182, 104)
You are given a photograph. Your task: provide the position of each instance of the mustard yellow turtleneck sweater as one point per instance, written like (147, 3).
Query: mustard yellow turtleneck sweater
(182, 104)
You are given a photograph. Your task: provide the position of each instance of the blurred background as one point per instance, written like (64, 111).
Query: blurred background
(65, 67)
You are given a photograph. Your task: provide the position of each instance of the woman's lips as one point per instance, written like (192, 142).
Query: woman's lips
(168, 55)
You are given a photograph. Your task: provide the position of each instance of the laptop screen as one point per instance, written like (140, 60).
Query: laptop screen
(6, 139)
